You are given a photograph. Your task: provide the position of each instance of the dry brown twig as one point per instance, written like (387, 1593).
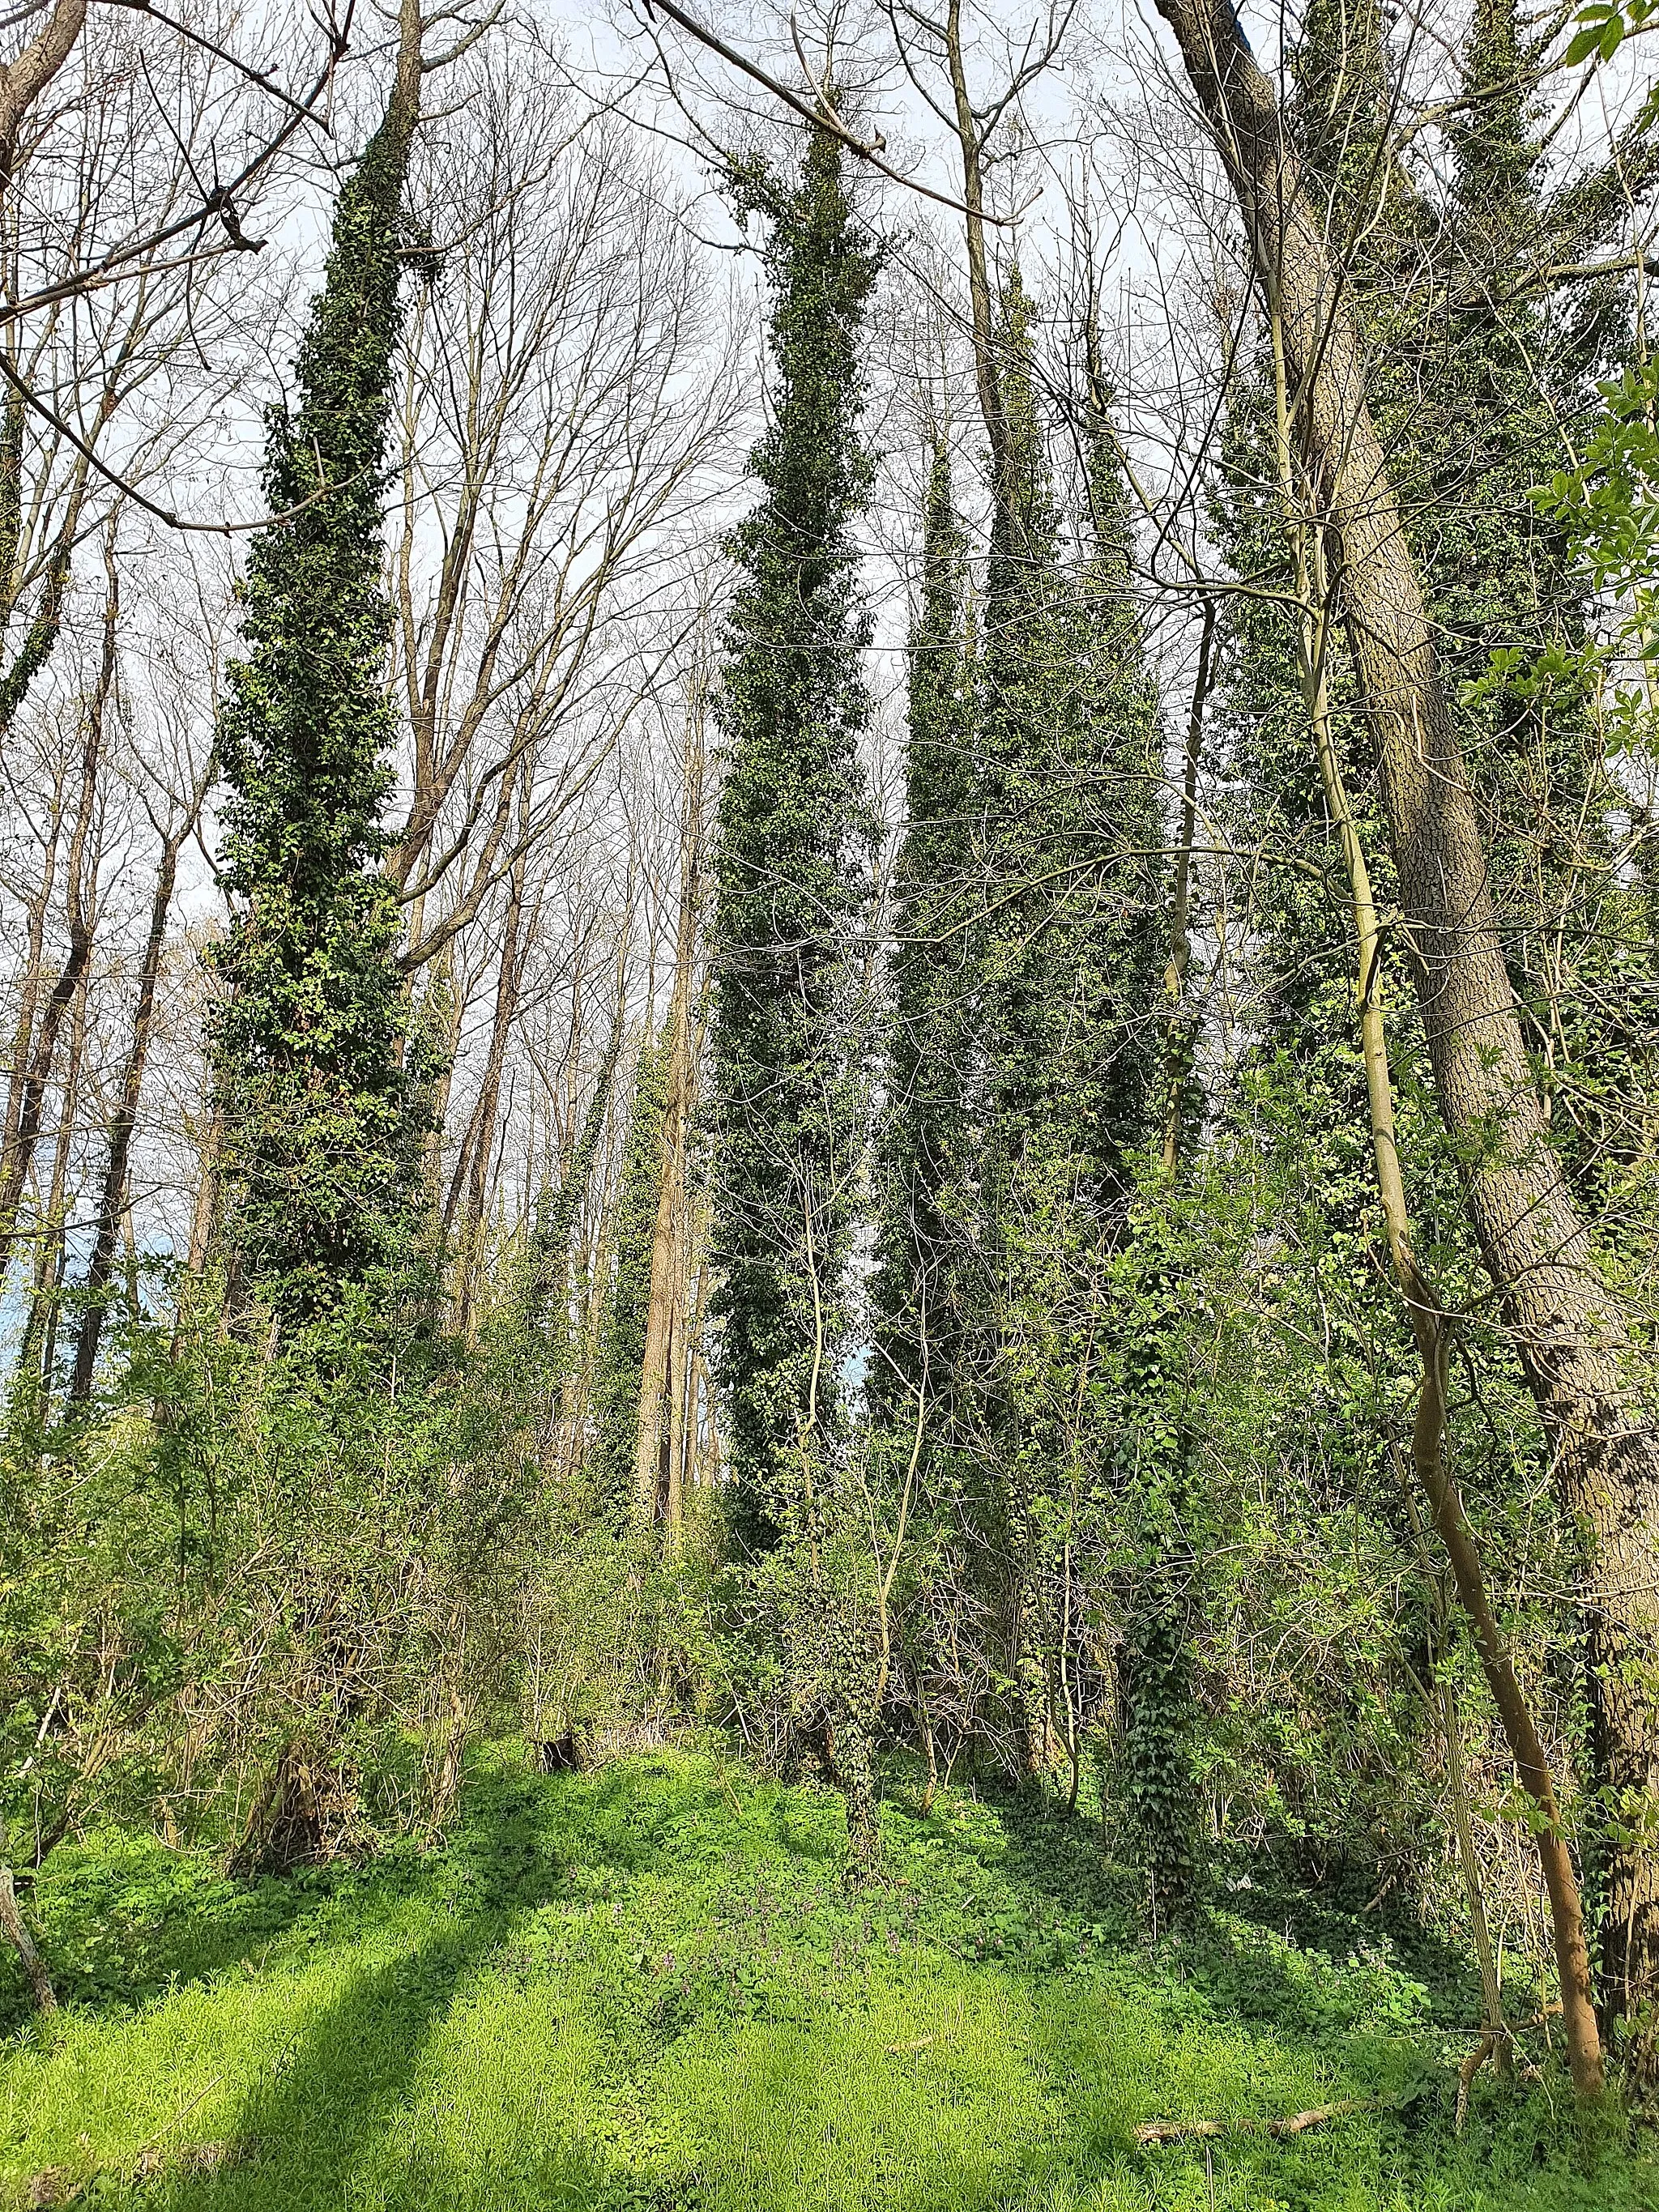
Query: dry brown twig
(1294, 2123)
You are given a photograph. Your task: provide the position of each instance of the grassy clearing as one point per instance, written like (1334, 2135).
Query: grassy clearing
(647, 1988)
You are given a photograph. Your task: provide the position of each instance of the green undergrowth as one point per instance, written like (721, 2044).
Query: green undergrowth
(647, 1988)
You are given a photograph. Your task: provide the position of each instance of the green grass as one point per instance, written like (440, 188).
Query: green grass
(647, 1988)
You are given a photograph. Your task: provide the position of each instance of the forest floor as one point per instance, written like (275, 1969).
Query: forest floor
(647, 1988)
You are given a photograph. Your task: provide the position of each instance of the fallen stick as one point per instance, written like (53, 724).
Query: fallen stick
(1165, 2131)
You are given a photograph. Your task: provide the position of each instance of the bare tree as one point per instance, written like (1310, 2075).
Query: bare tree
(566, 392)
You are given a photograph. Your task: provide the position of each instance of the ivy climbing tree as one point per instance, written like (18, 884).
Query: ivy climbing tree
(1073, 925)
(792, 818)
(788, 1077)
(321, 1129)
(621, 1352)
(925, 1169)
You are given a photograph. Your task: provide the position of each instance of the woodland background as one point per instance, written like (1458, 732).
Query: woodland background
(843, 939)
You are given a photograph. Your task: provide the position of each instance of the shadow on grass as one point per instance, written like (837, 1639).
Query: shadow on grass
(324, 2129)
(1237, 1947)
(387, 2098)
(124, 1919)
(300, 2137)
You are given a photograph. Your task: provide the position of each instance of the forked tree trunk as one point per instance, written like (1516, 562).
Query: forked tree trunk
(1569, 1330)
(113, 1198)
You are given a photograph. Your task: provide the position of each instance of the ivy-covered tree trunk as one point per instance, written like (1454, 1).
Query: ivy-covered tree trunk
(786, 1081)
(620, 1361)
(792, 816)
(1074, 927)
(926, 1266)
(321, 1151)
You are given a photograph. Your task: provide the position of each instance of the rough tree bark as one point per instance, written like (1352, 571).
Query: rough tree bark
(23, 81)
(1569, 1330)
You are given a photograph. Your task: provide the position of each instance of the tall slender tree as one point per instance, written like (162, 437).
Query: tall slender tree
(1068, 819)
(926, 1169)
(788, 1072)
(793, 817)
(620, 1359)
(320, 1161)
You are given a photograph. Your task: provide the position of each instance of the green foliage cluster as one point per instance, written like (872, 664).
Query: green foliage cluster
(250, 1561)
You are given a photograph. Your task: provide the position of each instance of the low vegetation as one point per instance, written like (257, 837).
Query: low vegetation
(649, 1986)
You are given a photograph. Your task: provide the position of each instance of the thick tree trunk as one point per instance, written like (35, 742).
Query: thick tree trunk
(1430, 1333)
(1569, 1330)
(22, 81)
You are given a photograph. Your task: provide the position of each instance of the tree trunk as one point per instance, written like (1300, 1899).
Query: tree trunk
(1431, 1336)
(1181, 1027)
(22, 81)
(18, 1156)
(28, 1001)
(41, 1335)
(970, 136)
(207, 1200)
(1572, 1337)
(656, 1490)
(482, 1134)
(113, 1198)
(11, 1922)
